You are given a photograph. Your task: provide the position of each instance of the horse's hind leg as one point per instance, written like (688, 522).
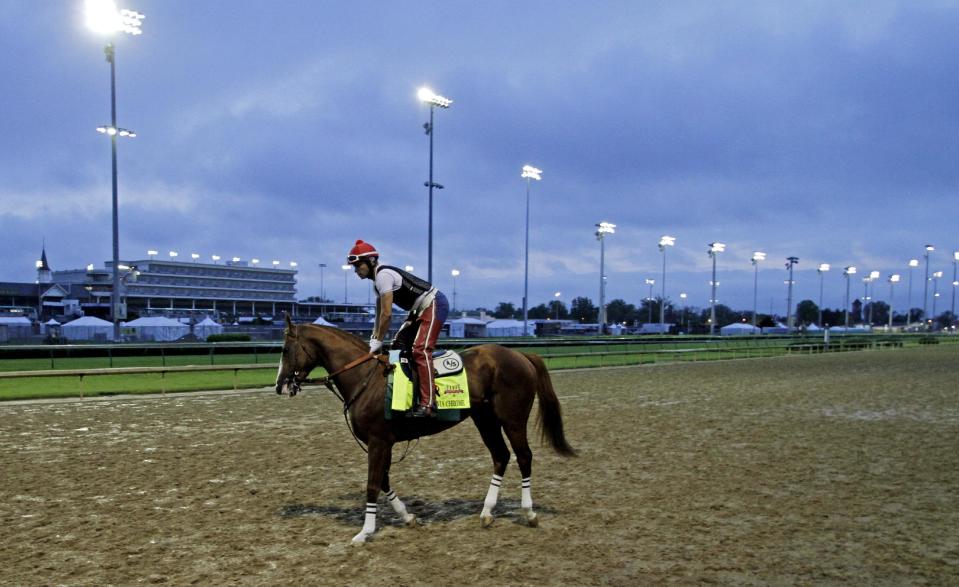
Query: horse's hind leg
(492, 434)
(524, 458)
(397, 504)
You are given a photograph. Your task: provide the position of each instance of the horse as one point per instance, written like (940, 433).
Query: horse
(502, 386)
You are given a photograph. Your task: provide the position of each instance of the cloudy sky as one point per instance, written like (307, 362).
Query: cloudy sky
(286, 130)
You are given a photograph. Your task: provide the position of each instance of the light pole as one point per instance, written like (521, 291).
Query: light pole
(529, 173)
(556, 303)
(683, 296)
(322, 289)
(756, 258)
(873, 276)
(427, 96)
(893, 280)
(913, 263)
(846, 273)
(955, 283)
(103, 17)
(649, 300)
(790, 263)
(602, 229)
(714, 249)
(823, 268)
(455, 273)
(935, 296)
(346, 272)
(664, 241)
(925, 283)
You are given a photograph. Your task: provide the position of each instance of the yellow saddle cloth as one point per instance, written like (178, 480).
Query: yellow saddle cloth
(453, 391)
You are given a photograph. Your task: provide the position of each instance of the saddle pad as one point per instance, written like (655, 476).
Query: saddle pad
(453, 391)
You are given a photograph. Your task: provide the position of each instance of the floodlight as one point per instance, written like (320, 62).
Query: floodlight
(293, 264)
(758, 256)
(823, 267)
(275, 262)
(873, 275)
(913, 262)
(667, 241)
(194, 256)
(428, 96)
(605, 228)
(455, 272)
(215, 258)
(255, 261)
(152, 253)
(930, 248)
(173, 254)
(849, 270)
(717, 247)
(409, 268)
(530, 172)
(90, 267)
(236, 259)
(894, 278)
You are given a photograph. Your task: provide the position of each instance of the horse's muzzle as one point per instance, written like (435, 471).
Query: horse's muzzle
(290, 386)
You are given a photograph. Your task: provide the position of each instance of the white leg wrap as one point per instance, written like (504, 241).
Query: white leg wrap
(491, 496)
(527, 497)
(369, 524)
(398, 506)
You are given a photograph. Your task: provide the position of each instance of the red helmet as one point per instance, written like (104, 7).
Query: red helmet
(361, 250)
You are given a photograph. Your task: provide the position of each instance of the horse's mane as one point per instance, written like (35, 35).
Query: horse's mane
(342, 335)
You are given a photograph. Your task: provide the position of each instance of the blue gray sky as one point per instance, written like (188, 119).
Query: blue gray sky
(286, 130)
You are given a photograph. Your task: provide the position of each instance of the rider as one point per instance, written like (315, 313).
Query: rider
(427, 307)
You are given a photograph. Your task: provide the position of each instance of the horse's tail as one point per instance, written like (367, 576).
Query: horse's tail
(550, 415)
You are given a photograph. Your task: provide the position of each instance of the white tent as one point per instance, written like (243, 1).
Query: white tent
(157, 328)
(465, 326)
(739, 329)
(13, 327)
(505, 328)
(50, 324)
(206, 327)
(87, 328)
(321, 321)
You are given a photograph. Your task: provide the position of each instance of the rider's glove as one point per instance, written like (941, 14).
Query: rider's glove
(375, 344)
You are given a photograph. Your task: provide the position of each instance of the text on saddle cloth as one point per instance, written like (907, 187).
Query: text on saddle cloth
(451, 383)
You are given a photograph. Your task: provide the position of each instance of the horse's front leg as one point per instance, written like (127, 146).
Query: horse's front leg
(376, 467)
(398, 506)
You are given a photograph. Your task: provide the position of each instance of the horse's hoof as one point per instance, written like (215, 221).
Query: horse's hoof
(360, 538)
(411, 521)
(532, 519)
(487, 521)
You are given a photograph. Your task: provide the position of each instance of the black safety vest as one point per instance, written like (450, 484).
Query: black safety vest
(410, 290)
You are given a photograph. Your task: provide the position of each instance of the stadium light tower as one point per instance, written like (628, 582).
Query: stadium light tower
(955, 282)
(925, 284)
(602, 229)
(556, 303)
(427, 96)
(664, 241)
(873, 276)
(893, 280)
(683, 296)
(846, 273)
(822, 269)
(714, 249)
(935, 295)
(103, 18)
(152, 254)
(790, 263)
(455, 273)
(346, 294)
(650, 283)
(529, 173)
(913, 263)
(756, 258)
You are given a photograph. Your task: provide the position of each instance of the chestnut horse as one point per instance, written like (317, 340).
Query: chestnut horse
(502, 385)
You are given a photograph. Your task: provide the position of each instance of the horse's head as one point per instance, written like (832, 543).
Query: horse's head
(295, 362)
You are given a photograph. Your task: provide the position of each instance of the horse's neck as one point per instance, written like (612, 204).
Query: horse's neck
(333, 354)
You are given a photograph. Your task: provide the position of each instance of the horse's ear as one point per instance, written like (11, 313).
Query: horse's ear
(289, 325)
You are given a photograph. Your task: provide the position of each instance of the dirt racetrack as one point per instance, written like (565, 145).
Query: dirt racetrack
(798, 470)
